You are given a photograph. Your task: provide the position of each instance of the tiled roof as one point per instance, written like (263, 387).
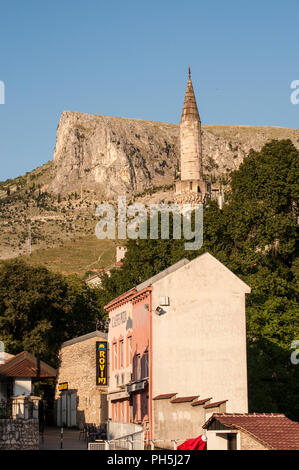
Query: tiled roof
(201, 402)
(274, 430)
(164, 396)
(216, 403)
(184, 399)
(25, 364)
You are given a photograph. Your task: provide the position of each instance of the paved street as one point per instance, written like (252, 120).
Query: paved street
(70, 440)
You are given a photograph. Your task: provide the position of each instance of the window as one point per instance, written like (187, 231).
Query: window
(114, 356)
(146, 364)
(117, 380)
(138, 366)
(121, 345)
(130, 349)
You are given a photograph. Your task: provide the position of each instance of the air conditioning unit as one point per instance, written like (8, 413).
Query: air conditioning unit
(164, 301)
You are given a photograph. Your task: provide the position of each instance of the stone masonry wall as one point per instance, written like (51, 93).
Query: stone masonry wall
(249, 443)
(190, 137)
(19, 434)
(78, 368)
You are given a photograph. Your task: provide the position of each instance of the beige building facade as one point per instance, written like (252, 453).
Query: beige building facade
(200, 337)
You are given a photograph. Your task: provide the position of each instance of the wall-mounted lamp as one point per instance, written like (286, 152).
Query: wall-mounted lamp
(159, 310)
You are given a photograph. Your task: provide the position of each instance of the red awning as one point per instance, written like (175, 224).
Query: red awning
(199, 443)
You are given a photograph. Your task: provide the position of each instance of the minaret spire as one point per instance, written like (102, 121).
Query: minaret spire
(190, 111)
(191, 187)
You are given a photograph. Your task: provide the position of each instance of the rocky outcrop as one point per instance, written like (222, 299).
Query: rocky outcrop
(123, 156)
(113, 155)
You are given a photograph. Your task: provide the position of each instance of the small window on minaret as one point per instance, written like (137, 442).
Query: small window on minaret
(191, 185)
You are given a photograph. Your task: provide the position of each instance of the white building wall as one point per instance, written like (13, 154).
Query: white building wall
(22, 386)
(199, 344)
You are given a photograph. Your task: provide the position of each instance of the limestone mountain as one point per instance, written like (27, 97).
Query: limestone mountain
(48, 215)
(120, 155)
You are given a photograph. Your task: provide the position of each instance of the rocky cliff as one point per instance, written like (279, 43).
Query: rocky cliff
(120, 155)
(113, 155)
(48, 215)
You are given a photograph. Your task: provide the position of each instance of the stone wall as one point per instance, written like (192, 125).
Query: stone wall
(191, 157)
(19, 434)
(249, 443)
(78, 369)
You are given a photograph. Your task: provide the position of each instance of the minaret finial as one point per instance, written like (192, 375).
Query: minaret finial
(189, 72)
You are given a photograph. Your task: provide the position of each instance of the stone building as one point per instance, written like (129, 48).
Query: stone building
(255, 431)
(80, 396)
(95, 280)
(191, 187)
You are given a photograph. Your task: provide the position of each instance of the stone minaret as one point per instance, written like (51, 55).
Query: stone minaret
(191, 180)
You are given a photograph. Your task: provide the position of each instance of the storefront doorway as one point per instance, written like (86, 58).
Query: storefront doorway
(67, 409)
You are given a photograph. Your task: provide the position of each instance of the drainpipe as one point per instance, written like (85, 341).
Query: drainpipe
(150, 368)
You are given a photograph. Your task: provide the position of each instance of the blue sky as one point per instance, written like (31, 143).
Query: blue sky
(130, 59)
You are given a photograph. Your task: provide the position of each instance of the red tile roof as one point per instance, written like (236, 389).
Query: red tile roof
(25, 364)
(215, 404)
(201, 402)
(164, 396)
(275, 431)
(184, 399)
(118, 264)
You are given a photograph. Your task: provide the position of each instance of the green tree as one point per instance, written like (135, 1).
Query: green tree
(40, 309)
